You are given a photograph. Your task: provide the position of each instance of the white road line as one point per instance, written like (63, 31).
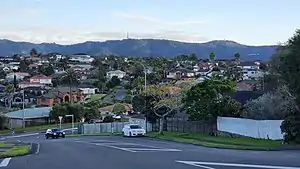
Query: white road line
(38, 149)
(149, 149)
(119, 148)
(5, 162)
(195, 163)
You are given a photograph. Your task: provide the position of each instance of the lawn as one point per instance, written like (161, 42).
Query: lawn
(16, 151)
(37, 128)
(95, 97)
(219, 141)
(13, 150)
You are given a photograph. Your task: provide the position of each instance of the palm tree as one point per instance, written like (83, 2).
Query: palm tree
(71, 78)
(212, 56)
(237, 57)
(9, 91)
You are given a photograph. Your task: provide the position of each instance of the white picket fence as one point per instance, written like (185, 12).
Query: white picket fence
(265, 129)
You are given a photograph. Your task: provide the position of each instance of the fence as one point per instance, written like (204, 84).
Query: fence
(181, 125)
(266, 129)
(115, 127)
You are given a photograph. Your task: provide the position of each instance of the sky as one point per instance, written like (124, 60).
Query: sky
(251, 22)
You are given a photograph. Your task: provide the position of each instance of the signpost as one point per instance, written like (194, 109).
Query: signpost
(71, 115)
(60, 118)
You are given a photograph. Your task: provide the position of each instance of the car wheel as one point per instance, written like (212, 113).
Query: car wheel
(130, 134)
(47, 137)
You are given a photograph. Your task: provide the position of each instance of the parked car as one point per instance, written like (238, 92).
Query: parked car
(131, 130)
(54, 133)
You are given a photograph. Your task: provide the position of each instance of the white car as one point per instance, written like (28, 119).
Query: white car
(131, 130)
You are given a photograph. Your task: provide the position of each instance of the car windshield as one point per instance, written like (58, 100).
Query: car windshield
(55, 130)
(135, 127)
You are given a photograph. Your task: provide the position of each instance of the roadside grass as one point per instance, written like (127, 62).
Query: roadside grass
(100, 134)
(219, 141)
(37, 128)
(16, 151)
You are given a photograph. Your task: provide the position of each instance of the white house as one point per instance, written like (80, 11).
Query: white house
(81, 58)
(41, 79)
(23, 85)
(19, 76)
(120, 74)
(248, 65)
(249, 74)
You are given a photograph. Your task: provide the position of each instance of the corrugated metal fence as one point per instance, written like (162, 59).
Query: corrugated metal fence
(115, 127)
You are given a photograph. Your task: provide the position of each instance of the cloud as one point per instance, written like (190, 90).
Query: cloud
(152, 20)
(38, 34)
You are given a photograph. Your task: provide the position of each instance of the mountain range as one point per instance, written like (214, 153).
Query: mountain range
(223, 49)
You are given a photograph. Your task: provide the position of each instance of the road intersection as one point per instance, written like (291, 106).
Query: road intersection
(90, 152)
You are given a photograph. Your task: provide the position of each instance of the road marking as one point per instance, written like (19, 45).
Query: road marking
(5, 162)
(149, 149)
(38, 149)
(119, 148)
(200, 164)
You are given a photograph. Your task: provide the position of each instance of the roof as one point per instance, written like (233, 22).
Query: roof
(30, 113)
(20, 74)
(117, 72)
(29, 83)
(41, 77)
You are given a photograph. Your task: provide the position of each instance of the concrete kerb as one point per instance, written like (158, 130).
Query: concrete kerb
(270, 149)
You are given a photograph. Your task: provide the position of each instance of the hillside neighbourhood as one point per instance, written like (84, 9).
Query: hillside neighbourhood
(38, 88)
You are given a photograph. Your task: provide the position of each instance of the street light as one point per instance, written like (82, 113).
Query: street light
(145, 85)
(71, 115)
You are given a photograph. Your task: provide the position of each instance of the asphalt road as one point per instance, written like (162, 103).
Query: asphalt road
(114, 152)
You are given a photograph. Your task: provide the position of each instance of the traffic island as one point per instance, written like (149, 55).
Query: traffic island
(224, 142)
(14, 149)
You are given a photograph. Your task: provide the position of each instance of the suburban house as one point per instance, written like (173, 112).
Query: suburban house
(46, 80)
(249, 74)
(31, 116)
(120, 74)
(60, 95)
(249, 65)
(19, 76)
(180, 73)
(81, 58)
(23, 85)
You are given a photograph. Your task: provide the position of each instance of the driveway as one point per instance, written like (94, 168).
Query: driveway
(114, 152)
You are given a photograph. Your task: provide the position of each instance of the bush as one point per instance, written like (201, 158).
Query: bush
(270, 106)
(291, 129)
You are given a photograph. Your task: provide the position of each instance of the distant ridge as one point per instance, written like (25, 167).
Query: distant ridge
(223, 49)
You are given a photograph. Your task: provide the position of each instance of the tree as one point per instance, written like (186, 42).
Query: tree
(2, 121)
(285, 63)
(119, 108)
(46, 70)
(114, 81)
(207, 100)
(166, 102)
(128, 98)
(138, 84)
(270, 106)
(91, 110)
(237, 56)
(33, 52)
(72, 79)
(9, 92)
(23, 65)
(212, 56)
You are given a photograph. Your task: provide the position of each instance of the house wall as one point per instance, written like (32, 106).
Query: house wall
(30, 85)
(119, 75)
(45, 102)
(44, 81)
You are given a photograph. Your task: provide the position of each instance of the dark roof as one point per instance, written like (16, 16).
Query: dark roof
(244, 96)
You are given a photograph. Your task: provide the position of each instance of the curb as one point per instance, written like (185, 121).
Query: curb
(270, 149)
(34, 148)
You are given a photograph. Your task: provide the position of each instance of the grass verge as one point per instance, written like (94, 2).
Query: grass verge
(219, 141)
(37, 128)
(16, 151)
(100, 134)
